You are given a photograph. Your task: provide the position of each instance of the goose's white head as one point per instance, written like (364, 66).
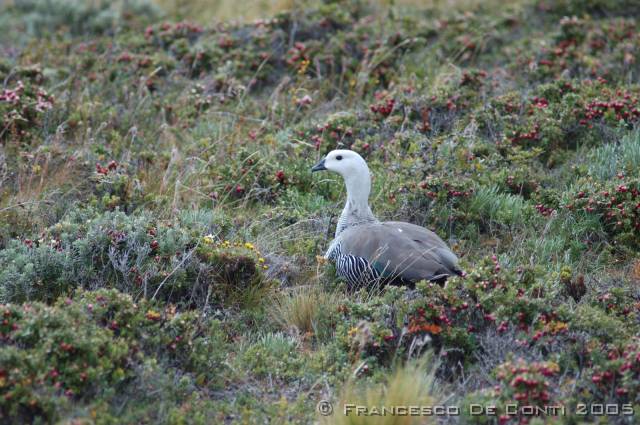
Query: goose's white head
(344, 162)
(357, 179)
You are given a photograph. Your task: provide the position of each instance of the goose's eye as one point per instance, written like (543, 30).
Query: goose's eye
(339, 157)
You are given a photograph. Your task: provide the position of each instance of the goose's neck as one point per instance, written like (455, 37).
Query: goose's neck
(356, 210)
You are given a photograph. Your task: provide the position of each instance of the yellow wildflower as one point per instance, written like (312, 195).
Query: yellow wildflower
(303, 66)
(152, 315)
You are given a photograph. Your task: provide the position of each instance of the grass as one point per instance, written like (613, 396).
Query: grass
(410, 385)
(222, 10)
(609, 160)
(307, 310)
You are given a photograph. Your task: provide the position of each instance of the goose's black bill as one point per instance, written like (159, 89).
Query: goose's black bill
(319, 166)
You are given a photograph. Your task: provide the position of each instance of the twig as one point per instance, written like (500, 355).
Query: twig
(22, 204)
(175, 269)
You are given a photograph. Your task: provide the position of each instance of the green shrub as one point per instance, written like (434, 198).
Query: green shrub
(137, 255)
(53, 356)
(22, 109)
(274, 355)
(612, 375)
(616, 204)
(519, 384)
(90, 347)
(597, 323)
(42, 17)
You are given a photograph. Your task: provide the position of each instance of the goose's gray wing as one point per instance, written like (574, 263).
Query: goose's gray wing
(425, 237)
(400, 249)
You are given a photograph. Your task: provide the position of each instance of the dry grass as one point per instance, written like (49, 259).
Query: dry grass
(248, 10)
(220, 10)
(410, 385)
(306, 309)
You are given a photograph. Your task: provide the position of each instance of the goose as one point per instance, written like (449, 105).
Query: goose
(366, 250)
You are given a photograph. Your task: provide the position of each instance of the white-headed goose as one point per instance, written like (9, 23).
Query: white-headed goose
(366, 250)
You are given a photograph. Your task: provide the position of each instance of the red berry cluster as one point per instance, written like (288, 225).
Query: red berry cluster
(111, 166)
(545, 211)
(225, 41)
(619, 373)
(333, 131)
(473, 78)
(518, 136)
(551, 326)
(125, 57)
(383, 108)
(169, 30)
(297, 54)
(621, 105)
(435, 188)
(618, 205)
(540, 102)
(619, 305)
(526, 382)
(12, 95)
(8, 324)
(431, 319)
(20, 107)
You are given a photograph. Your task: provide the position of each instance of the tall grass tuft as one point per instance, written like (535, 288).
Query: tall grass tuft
(410, 385)
(502, 208)
(308, 310)
(608, 160)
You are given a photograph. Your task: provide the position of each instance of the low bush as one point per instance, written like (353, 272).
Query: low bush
(136, 254)
(89, 347)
